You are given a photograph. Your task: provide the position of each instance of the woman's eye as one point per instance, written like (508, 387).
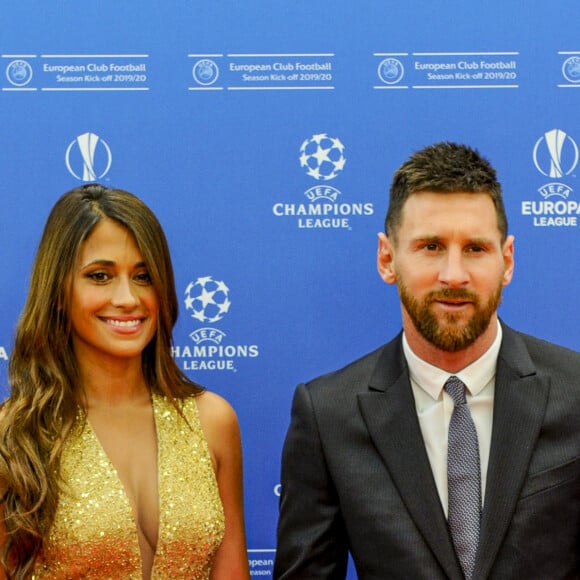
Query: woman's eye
(98, 276)
(143, 278)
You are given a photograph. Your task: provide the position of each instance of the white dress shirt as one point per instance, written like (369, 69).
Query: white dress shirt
(434, 407)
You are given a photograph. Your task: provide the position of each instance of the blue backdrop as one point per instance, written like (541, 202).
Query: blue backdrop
(264, 135)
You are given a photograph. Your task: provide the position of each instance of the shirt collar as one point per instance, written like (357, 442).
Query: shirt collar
(475, 376)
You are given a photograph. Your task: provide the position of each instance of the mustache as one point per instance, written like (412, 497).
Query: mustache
(452, 293)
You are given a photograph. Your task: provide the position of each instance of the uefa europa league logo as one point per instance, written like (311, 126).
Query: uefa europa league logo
(88, 157)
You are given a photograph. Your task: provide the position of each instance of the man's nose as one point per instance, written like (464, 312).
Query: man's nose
(453, 271)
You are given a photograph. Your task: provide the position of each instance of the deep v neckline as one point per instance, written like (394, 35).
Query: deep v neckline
(94, 533)
(132, 508)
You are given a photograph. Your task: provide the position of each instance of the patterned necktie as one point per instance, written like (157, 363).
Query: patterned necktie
(463, 478)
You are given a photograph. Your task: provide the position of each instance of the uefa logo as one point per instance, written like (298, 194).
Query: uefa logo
(19, 73)
(555, 154)
(207, 300)
(571, 69)
(322, 157)
(391, 71)
(205, 72)
(88, 157)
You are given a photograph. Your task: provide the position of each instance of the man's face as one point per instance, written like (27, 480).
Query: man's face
(449, 265)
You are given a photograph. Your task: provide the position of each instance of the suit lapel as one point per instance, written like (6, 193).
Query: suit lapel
(389, 413)
(519, 405)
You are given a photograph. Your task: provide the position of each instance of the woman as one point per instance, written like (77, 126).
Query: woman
(113, 464)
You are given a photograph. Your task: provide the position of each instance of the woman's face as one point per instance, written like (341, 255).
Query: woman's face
(113, 307)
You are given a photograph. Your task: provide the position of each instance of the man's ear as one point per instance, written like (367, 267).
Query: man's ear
(508, 259)
(386, 259)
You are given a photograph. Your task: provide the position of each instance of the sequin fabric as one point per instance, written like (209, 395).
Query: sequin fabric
(94, 535)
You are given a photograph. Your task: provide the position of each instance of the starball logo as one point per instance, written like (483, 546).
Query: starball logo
(207, 300)
(555, 156)
(88, 157)
(323, 159)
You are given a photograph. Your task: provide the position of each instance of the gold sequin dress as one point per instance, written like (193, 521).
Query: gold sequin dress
(94, 535)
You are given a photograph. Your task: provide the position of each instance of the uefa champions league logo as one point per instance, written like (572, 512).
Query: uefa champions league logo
(555, 154)
(205, 72)
(571, 69)
(19, 73)
(391, 71)
(88, 157)
(322, 157)
(207, 300)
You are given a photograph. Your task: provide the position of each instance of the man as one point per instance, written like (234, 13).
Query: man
(383, 459)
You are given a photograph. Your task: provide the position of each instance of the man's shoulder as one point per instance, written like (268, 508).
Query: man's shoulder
(543, 353)
(541, 345)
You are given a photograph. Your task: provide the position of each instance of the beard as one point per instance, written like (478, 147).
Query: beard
(450, 335)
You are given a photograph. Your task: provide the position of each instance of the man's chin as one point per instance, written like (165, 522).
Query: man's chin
(451, 343)
(452, 320)
(454, 335)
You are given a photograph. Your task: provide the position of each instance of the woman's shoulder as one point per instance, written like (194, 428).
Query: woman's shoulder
(219, 423)
(214, 410)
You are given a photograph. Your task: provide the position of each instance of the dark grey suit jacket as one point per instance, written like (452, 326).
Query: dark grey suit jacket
(356, 476)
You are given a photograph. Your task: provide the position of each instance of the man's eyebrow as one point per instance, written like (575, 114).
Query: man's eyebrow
(480, 241)
(427, 238)
(432, 238)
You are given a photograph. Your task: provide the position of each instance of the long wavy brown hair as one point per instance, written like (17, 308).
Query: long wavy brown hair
(44, 398)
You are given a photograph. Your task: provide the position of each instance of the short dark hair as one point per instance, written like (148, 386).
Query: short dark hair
(444, 168)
